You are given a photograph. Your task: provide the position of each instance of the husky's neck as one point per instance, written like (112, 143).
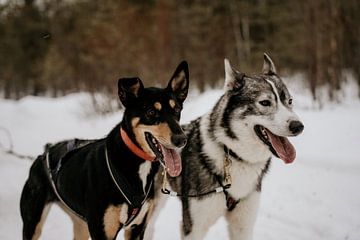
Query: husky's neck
(218, 128)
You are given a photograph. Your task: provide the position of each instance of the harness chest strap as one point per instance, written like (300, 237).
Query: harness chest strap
(133, 211)
(230, 201)
(52, 181)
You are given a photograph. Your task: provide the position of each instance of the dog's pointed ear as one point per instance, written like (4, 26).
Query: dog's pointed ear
(269, 66)
(179, 82)
(129, 89)
(233, 78)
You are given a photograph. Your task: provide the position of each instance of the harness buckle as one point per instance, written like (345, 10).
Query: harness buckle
(173, 194)
(219, 189)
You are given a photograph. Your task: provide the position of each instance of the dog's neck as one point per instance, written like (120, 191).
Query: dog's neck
(126, 162)
(133, 147)
(246, 145)
(124, 145)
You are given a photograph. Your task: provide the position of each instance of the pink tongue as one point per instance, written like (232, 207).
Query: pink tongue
(172, 161)
(283, 147)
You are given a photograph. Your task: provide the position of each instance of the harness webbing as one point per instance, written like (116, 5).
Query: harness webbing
(230, 201)
(52, 181)
(135, 208)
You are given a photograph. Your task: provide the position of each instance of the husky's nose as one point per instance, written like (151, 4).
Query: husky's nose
(296, 127)
(179, 140)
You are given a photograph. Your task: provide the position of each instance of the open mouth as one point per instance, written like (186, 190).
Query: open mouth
(278, 145)
(169, 158)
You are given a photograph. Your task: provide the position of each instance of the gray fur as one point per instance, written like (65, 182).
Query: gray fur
(239, 105)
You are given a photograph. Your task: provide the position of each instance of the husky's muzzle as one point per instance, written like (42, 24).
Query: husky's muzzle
(280, 146)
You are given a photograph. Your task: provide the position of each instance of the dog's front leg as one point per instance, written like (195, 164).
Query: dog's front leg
(242, 218)
(105, 225)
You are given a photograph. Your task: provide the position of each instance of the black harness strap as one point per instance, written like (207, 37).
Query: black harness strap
(230, 201)
(173, 194)
(53, 180)
(134, 201)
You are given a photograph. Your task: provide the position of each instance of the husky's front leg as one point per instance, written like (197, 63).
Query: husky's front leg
(242, 218)
(159, 203)
(200, 215)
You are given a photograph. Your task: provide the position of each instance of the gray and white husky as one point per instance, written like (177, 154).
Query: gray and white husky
(229, 151)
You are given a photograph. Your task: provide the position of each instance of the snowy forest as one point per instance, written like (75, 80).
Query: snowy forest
(60, 61)
(54, 47)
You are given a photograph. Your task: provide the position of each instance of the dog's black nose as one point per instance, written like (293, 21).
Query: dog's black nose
(296, 127)
(179, 140)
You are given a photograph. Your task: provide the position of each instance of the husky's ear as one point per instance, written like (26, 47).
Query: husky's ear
(179, 82)
(129, 89)
(233, 78)
(269, 66)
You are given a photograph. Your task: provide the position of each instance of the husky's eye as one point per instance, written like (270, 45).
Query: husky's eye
(290, 101)
(177, 110)
(150, 113)
(265, 103)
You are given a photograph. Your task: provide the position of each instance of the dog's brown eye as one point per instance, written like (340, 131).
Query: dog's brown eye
(265, 103)
(290, 101)
(177, 110)
(150, 113)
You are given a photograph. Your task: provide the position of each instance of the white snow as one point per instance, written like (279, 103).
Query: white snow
(317, 197)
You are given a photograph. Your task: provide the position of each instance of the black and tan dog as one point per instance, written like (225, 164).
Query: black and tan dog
(107, 184)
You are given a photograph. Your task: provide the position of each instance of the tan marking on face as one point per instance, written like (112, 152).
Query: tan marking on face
(161, 132)
(172, 103)
(140, 136)
(157, 106)
(135, 122)
(112, 221)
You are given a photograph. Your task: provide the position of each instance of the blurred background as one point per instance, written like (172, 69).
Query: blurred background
(54, 47)
(60, 61)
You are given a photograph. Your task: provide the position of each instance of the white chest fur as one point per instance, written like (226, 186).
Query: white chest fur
(245, 177)
(144, 171)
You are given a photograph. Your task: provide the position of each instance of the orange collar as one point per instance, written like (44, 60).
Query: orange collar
(135, 149)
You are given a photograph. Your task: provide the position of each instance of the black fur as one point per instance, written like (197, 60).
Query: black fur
(262, 174)
(83, 180)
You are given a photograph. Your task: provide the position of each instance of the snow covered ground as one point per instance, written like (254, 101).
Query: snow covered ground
(317, 197)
